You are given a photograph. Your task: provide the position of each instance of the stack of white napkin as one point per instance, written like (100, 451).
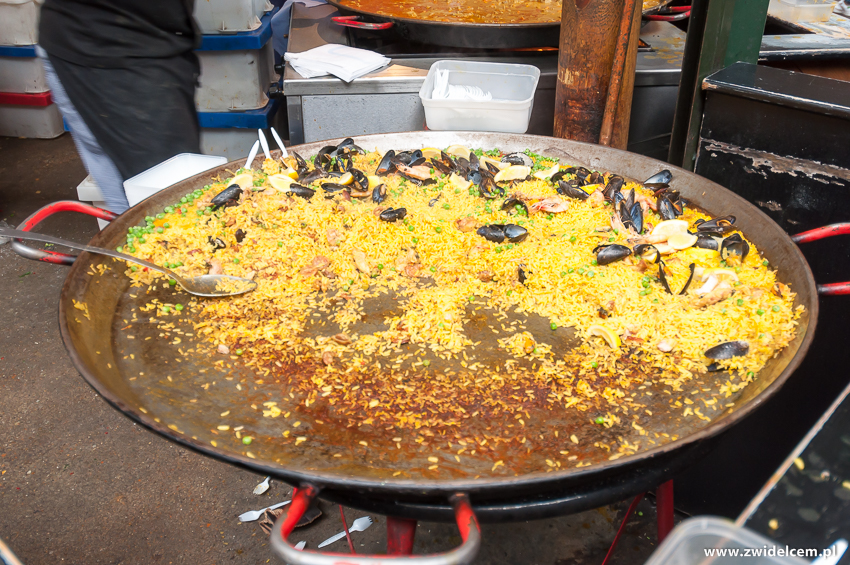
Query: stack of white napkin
(341, 61)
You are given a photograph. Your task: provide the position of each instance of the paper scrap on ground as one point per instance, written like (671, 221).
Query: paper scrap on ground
(444, 90)
(347, 63)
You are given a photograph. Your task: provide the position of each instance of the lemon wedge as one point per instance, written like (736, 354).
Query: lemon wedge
(542, 175)
(680, 240)
(459, 182)
(669, 227)
(612, 339)
(484, 159)
(345, 179)
(514, 172)
(433, 153)
(457, 151)
(374, 181)
(245, 181)
(290, 172)
(280, 181)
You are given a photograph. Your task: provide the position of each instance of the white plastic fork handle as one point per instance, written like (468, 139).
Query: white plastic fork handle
(461, 555)
(332, 539)
(264, 144)
(283, 152)
(252, 154)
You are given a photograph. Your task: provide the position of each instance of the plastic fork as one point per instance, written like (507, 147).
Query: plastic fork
(359, 525)
(251, 154)
(264, 144)
(252, 515)
(283, 152)
(262, 487)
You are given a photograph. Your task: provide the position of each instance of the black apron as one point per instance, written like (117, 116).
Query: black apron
(129, 70)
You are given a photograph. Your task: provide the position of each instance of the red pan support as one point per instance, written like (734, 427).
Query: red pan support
(39, 215)
(671, 14)
(399, 544)
(354, 21)
(823, 233)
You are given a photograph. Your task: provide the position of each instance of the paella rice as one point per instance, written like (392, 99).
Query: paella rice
(462, 282)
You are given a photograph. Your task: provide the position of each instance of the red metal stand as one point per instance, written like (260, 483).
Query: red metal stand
(664, 509)
(400, 535)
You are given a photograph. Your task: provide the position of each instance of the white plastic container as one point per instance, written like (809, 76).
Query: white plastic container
(22, 74)
(88, 191)
(43, 122)
(179, 167)
(691, 542)
(19, 21)
(512, 87)
(235, 80)
(229, 16)
(801, 10)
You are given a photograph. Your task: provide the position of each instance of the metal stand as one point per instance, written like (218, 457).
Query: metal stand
(400, 535)
(664, 511)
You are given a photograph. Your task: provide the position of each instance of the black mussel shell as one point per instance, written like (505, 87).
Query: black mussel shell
(625, 215)
(630, 199)
(489, 189)
(314, 175)
(403, 157)
(522, 273)
(493, 233)
(582, 173)
(227, 197)
(239, 235)
(734, 244)
(721, 225)
(331, 189)
(325, 156)
(216, 243)
(667, 208)
(393, 214)
(463, 163)
(566, 189)
(347, 146)
(706, 241)
(360, 179)
(442, 167)
(379, 194)
(474, 163)
(727, 350)
(386, 165)
(518, 159)
(595, 178)
(613, 187)
(301, 191)
(474, 176)
(301, 166)
(510, 204)
(417, 162)
(636, 215)
(642, 249)
(607, 254)
(515, 233)
(659, 178)
(493, 168)
(558, 176)
(663, 277)
(433, 201)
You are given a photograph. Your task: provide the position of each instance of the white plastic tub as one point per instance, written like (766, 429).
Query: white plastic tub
(229, 16)
(801, 10)
(43, 122)
(22, 74)
(691, 541)
(19, 21)
(235, 80)
(179, 167)
(512, 87)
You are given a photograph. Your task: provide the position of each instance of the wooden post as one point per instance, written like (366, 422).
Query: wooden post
(590, 30)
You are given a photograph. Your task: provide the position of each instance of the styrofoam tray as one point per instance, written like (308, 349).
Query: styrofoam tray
(512, 87)
(19, 21)
(22, 74)
(44, 122)
(180, 167)
(235, 80)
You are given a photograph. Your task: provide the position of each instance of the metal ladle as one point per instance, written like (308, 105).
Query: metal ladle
(203, 285)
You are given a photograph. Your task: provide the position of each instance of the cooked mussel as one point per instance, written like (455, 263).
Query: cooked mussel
(314, 175)
(514, 206)
(734, 245)
(515, 233)
(718, 225)
(301, 191)
(227, 197)
(493, 233)
(331, 189)
(613, 187)
(217, 243)
(663, 277)
(393, 214)
(489, 189)
(360, 179)
(301, 166)
(658, 179)
(386, 165)
(632, 218)
(727, 350)
(669, 204)
(347, 146)
(518, 159)
(607, 254)
(379, 194)
(566, 189)
(239, 235)
(706, 241)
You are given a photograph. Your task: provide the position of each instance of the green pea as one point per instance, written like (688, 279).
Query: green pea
(498, 249)
(554, 326)
(594, 262)
(776, 308)
(160, 216)
(238, 352)
(751, 374)
(610, 239)
(740, 302)
(655, 301)
(280, 244)
(247, 440)
(184, 200)
(472, 298)
(134, 268)
(509, 292)
(594, 364)
(169, 209)
(570, 270)
(166, 309)
(236, 260)
(764, 263)
(380, 265)
(172, 282)
(446, 206)
(166, 225)
(160, 230)
(599, 420)
(178, 307)
(409, 228)
(433, 269)
(426, 362)
(759, 311)
(572, 239)
(131, 249)
(414, 239)
(563, 274)
(119, 249)
(438, 229)
(200, 212)
(149, 218)
(142, 240)
(737, 269)
(644, 283)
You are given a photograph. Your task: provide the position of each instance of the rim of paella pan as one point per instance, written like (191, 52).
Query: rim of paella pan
(437, 485)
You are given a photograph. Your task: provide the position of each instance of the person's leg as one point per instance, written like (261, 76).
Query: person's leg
(96, 162)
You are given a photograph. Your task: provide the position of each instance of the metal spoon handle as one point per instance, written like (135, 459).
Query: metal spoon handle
(18, 234)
